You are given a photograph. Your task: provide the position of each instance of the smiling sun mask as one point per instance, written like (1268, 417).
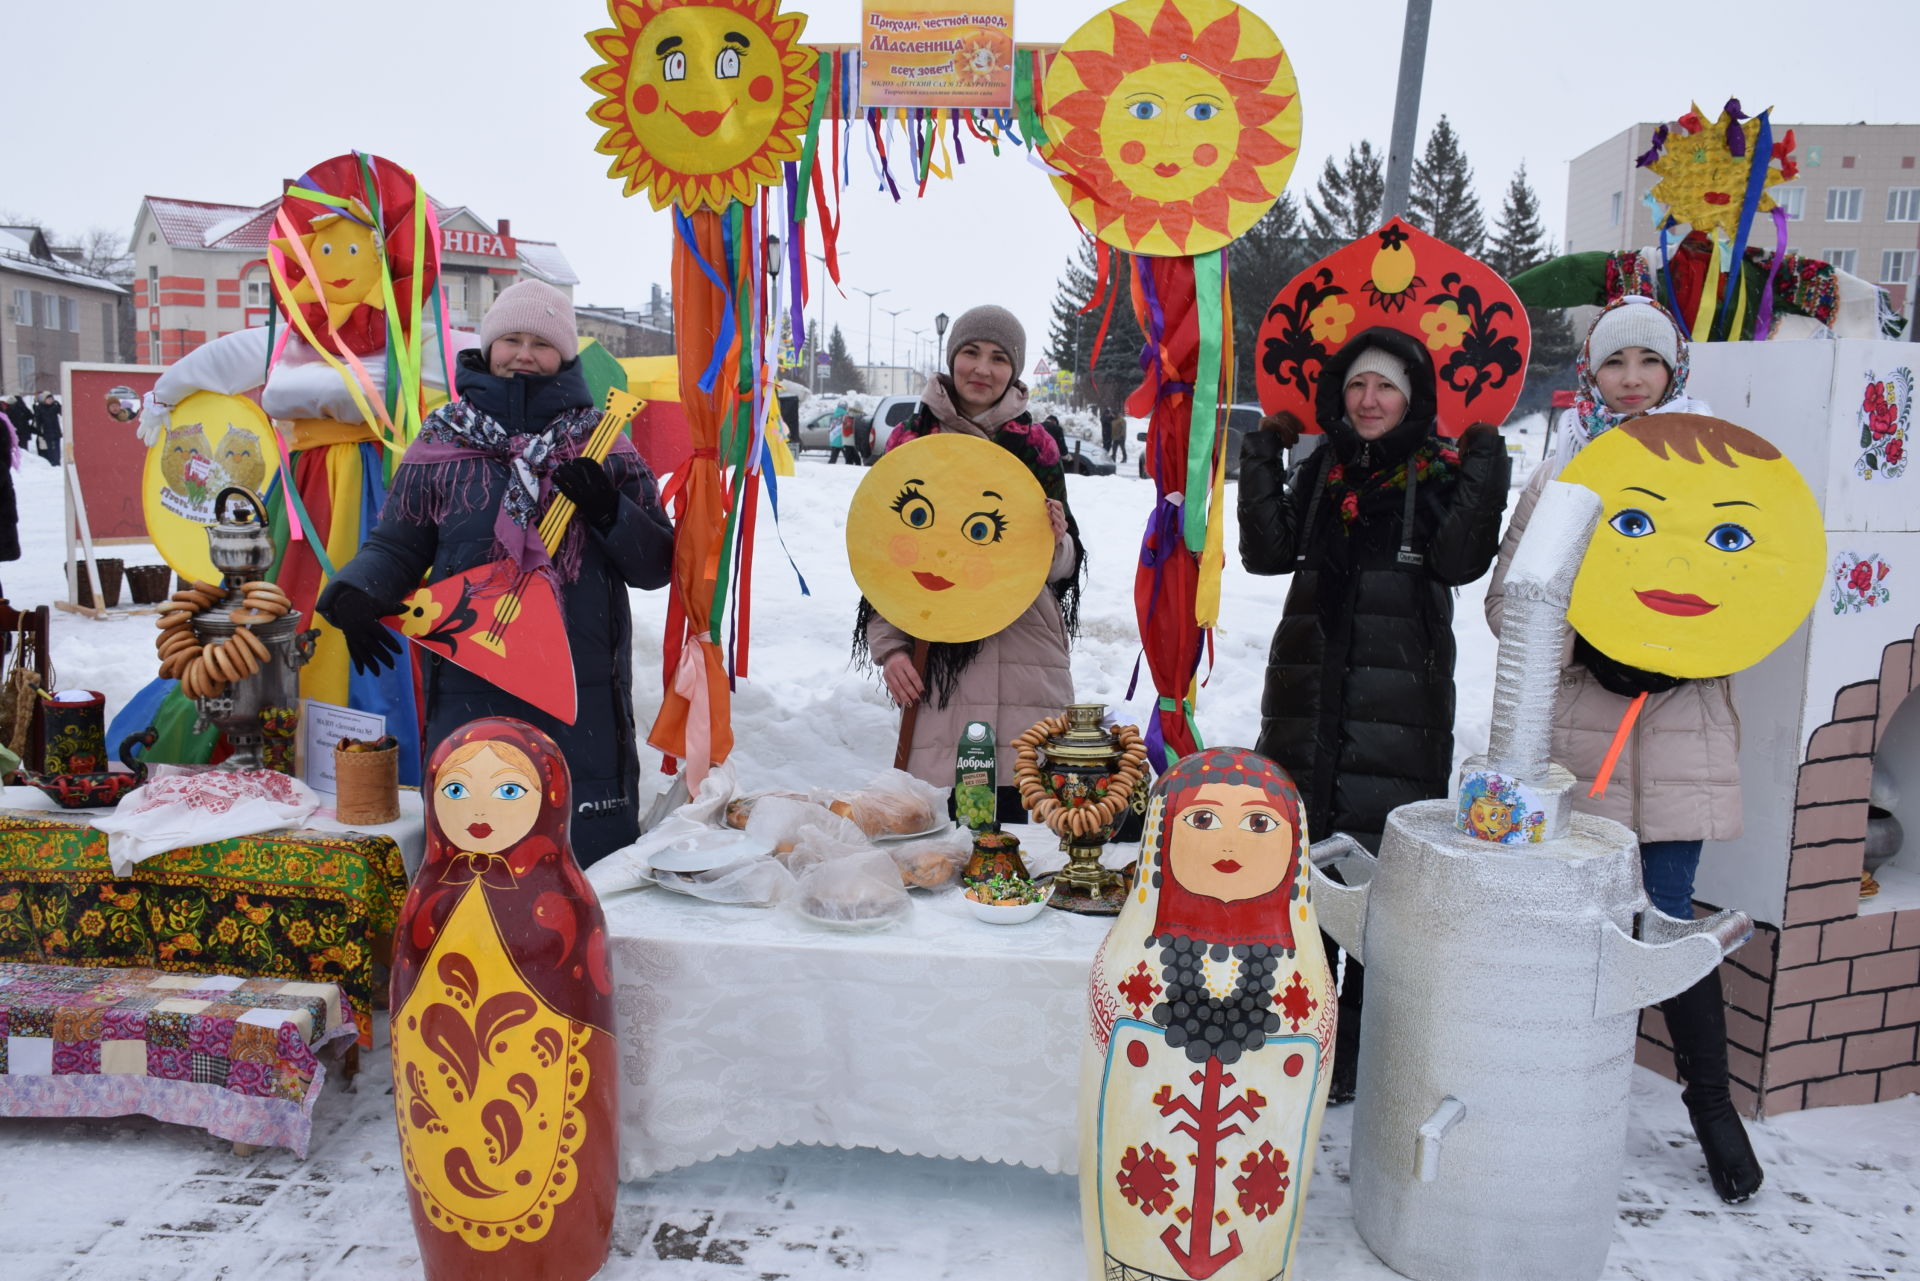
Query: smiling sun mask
(1175, 124)
(1709, 552)
(948, 538)
(701, 101)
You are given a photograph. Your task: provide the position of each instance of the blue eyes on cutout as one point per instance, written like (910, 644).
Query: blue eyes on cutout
(1203, 111)
(1729, 538)
(1143, 110)
(504, 792)
(917, 513)
(1147, 109)
(1634, 523)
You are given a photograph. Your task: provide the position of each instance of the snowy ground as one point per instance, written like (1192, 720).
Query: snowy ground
(136, 1199)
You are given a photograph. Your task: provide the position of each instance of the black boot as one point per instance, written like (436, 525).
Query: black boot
(1697, 1023)
(1344, 1081)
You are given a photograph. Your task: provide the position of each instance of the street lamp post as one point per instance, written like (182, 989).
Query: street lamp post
(918, 336)
(820, 334)
(871, 295)
(893, 337)
(939, 339)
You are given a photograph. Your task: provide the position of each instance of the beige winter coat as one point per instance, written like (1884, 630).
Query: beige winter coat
(1021, 674)
(1678, 778)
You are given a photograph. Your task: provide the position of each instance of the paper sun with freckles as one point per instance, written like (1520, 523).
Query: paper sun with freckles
(1710, 550)
(948, 538)
(701, 102)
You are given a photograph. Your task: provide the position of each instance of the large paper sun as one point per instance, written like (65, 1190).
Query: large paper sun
(701, 101)
(1703, 169)
(1174, 124)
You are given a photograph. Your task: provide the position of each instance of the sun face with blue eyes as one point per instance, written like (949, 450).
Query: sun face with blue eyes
(948, 537)
(487, 802)
(1710, 549)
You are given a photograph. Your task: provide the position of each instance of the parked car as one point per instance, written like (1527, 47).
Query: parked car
(888, 414)
(1079, 461)
(816, 426)
(1241, 419)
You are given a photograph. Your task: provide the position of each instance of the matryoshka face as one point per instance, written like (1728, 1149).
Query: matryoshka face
(1697, 568)
(488, 802)
(1230, 842)
(948, 537)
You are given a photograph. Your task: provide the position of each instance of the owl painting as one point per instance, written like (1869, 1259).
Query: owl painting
(184, 444)
(239, 456)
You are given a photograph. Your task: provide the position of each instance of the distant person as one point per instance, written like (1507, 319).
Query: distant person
(20, 414)
(1120, 435)
(1052, 425)
(46, 425)
(1106, 431)
(840, 441)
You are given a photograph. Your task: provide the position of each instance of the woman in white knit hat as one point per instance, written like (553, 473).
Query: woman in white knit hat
(473, 489)
(1377, 528)
(1678, 784)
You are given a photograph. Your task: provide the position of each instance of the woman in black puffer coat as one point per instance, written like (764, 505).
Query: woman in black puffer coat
(1358, 705)
(484, 468)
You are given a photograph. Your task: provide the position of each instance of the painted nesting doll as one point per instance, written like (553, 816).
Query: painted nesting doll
(502, 1020)
(1211, 1015)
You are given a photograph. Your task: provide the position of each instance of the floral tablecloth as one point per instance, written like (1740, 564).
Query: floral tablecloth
(233, 1056)
(300, 905)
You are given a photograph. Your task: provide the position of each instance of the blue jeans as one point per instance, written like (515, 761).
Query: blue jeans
(1667, 868)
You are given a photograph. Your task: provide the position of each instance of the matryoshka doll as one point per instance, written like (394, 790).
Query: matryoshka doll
(502, 1022)
(1211, 1017)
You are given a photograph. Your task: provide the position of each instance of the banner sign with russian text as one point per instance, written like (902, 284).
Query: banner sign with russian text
(937, 53)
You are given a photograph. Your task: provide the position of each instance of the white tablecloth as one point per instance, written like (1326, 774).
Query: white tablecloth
(409, 831)
(746, 1028)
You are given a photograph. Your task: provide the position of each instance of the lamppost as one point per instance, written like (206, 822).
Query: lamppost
(918, 336)
(773, 274)
(939, 340)
(893, 338)
(871, 295)
(820, 335)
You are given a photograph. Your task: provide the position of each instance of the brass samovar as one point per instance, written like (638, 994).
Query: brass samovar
(1081, 782)
(259, 714)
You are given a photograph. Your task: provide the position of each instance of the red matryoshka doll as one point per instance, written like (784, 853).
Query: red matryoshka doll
(502, 1022)
(1211, 1017)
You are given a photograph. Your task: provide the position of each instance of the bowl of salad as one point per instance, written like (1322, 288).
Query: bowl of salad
(1005, 900)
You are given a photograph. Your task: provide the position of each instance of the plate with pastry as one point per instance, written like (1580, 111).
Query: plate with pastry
(705, 851)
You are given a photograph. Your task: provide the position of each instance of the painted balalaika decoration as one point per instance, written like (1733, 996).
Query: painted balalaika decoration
(1211, 1019)
(502, 620)
(502, 1022)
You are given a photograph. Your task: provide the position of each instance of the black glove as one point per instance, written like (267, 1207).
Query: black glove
(1284, 425)
(369, 644)
(1481, 436)
(1617, 677)
(586, 482)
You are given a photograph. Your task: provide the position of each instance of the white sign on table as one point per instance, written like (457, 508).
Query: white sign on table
(322, 728)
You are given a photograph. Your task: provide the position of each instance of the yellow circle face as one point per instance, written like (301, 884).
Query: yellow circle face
(1175, 123)
(948, 537)
(1698, 568)
(702, 101)
(214, 441)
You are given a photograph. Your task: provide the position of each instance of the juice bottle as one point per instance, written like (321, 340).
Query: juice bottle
(975, 777)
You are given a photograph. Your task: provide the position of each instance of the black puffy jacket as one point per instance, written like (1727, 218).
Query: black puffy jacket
(601, 746)
(1358, 705)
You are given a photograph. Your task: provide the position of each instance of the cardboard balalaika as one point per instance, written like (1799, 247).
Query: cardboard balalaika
(504, 623)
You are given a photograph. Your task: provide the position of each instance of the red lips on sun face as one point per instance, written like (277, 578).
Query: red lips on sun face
(703, 123)
(932, 582)
(1680, 604)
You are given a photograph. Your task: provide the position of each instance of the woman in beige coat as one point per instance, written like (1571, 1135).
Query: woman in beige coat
(1677, 783)
(1021, 673)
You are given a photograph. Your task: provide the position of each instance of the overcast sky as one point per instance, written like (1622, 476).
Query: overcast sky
(106, 102)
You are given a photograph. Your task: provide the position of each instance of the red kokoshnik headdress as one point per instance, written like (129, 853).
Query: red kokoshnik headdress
(1266, 920)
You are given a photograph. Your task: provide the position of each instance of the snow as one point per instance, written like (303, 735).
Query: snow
(178, 1204)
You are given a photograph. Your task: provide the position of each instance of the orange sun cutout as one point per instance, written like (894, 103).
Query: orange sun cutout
(1171, 142)
(701, 101)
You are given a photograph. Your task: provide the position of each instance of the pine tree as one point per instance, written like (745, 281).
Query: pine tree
(1349, 198)
(842, 374)
(1519, 242)
(1070, 334)
(1443, 202)
(1274, 251)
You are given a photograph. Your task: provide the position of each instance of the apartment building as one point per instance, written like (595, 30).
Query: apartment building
(1854, 203)
(51, 312)
(201, 270)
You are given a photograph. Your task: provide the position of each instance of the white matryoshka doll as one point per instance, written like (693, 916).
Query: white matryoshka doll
(1211, 1018)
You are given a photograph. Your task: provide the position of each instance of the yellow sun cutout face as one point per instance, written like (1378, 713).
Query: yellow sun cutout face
(948, 538)
(702, 101)
(1702, 182)
(346, 259)
(1174, 122)
(1710, 549)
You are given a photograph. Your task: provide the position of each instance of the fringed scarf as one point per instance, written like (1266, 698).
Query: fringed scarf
(1589, 409)
(1431, 461)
